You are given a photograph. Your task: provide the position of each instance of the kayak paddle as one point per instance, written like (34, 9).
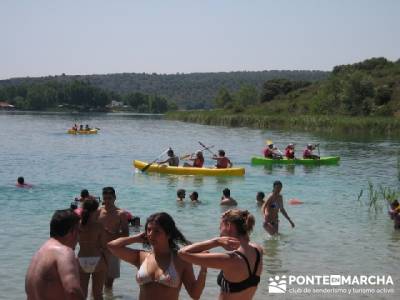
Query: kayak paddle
(148, 165)
(207, 148)
(189, 155)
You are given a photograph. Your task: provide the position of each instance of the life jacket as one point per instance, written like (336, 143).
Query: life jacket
(307, 153)
(289, 153)
(268, 152)
(223, 163)
(198, 163)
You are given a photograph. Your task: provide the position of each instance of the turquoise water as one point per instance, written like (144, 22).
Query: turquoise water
(334, 234)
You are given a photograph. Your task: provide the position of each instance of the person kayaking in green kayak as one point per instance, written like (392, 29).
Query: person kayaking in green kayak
(172, 160)
(272, 152)
(308, 152)
(289, 151)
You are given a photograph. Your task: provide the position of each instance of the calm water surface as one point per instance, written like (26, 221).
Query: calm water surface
(334, 234)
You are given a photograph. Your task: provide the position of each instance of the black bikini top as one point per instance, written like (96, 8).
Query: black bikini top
(235, 287)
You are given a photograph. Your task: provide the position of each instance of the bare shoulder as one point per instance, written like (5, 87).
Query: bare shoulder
(258, 247)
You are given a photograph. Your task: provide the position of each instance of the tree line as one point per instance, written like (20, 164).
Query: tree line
(189, 91)
(79, 95)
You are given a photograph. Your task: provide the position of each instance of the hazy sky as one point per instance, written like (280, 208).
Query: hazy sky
(50, 37)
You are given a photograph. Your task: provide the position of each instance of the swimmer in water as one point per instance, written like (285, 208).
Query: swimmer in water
(22, 184)
(270, 209)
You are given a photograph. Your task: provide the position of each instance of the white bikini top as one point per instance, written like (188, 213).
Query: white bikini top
(169, 278)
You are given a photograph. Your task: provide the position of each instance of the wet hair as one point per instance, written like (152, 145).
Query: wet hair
(277, 183)
(89, 206)
(394, 204)
(62, 222)
(195, 194)
(199, 154)
(84, 193)
(260, 195)
(167, 223)
(226, 192)
(221, 152)
(243, 220)
(180, 192)
(109, 190)
(170, 152)
(21, 180)
(270, 146)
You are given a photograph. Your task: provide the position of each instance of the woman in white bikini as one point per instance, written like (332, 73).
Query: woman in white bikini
(160, 272)
(92, 243)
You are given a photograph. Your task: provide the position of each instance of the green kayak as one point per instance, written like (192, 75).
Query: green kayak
(327, 160)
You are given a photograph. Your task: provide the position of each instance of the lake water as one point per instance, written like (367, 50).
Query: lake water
(334, 233)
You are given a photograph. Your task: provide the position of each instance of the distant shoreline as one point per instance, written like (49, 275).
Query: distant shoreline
(385, 126)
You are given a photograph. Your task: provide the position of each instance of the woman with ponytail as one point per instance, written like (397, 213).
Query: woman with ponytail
(160, 271)
(92, 243)
(241, 266)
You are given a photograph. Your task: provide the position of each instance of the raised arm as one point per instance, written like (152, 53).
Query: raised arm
(210, 260)
(119, 248)
(68, 272)
(194, 286)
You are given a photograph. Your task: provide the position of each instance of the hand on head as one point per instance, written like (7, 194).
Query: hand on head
(228, 243)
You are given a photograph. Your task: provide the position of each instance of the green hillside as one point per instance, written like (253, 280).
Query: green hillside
(190, 91)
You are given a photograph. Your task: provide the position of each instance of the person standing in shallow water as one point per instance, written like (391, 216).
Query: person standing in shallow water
(92, 250)
(161, 272)
(53, 272)
(270, 209)
(241, 266)
(115, 223)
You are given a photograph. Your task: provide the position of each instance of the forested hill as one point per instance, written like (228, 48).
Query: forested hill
(194, 90)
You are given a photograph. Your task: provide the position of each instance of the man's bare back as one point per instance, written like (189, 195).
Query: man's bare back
(53, 273)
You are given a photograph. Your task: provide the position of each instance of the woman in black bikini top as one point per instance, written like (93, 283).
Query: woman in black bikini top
(241, 268)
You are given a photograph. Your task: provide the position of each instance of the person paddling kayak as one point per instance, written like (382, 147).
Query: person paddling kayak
(223, 162)
(173, 160)
(198, 161)
(289, 151)
(272, 152)
(308, 152)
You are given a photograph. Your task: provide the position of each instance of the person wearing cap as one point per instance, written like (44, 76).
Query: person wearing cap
(289, 151)
(272, 152)
(308, 152)
(172, 160)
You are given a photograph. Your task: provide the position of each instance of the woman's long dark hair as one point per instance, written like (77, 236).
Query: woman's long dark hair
(89, 206)
(167, 223)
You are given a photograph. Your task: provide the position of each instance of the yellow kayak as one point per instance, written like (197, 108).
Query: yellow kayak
(188, 170)
(91, 131)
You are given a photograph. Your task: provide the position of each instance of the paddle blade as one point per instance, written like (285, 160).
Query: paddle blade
(146, 167)
(268, 142)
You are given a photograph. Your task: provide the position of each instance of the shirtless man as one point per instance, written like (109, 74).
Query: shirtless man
(115, 223)
(271, 208)
(53, 272)
(226, 198)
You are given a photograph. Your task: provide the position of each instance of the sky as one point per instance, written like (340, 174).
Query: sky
(51, 37)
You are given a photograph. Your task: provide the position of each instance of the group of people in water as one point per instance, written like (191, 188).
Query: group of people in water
(271, 151)
(163, 265)
(81, 127)
(102, 232)
(197, 160)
